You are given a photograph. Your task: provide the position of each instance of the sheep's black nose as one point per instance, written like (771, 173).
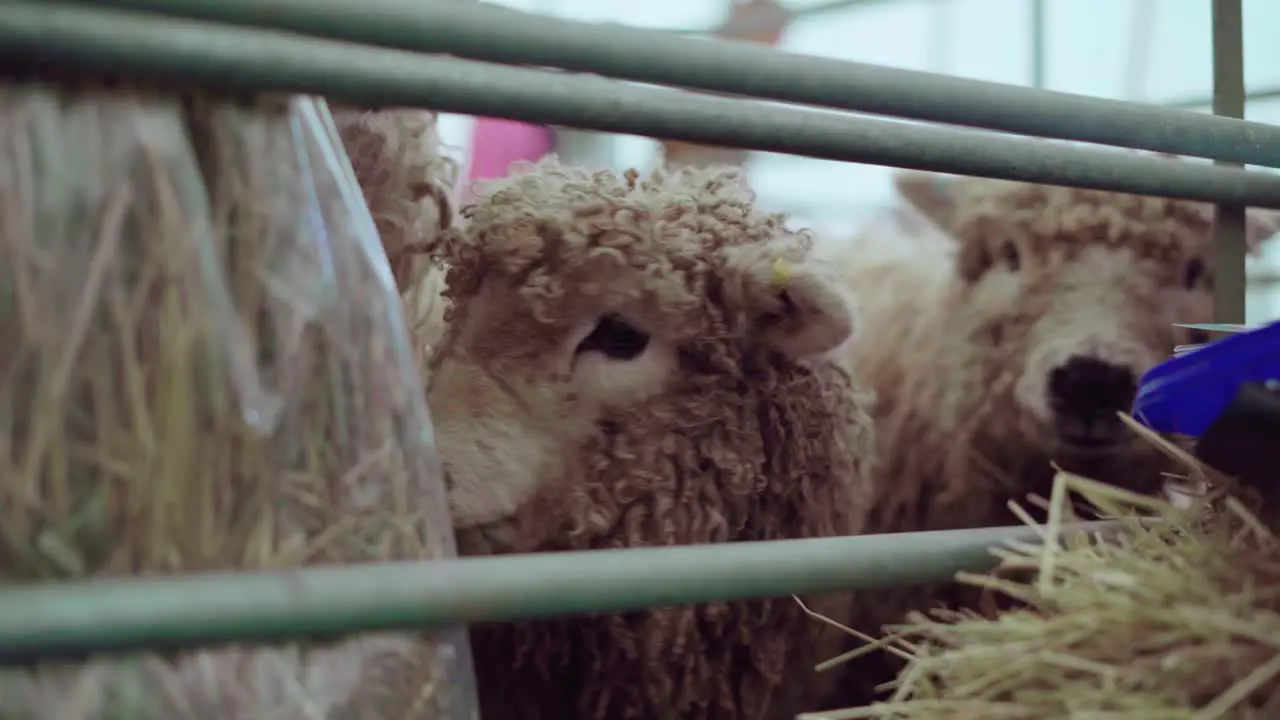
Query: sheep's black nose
(1085, 394)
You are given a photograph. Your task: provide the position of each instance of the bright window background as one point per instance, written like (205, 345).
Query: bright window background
(1155, 51)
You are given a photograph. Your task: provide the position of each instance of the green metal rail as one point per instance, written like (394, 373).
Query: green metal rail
(71, 619)
(486, 32)
(82, 38)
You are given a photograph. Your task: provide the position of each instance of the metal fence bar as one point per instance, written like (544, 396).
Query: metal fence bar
(1229, 248)
(485, 32)
(81, 38)
(67, 620)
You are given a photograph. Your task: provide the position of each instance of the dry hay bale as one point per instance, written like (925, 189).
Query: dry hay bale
(1175, 618)
(203, 367)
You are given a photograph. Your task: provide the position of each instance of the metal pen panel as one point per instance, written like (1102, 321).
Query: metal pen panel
(485, 32)
(83, 38)
(67, 620)
(1228, 100)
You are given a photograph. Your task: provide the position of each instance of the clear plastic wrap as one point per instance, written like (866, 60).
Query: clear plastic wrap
(204, 365)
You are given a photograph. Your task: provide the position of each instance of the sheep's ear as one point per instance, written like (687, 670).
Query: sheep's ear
(798, 308)
(931, 194)
(1260, 226)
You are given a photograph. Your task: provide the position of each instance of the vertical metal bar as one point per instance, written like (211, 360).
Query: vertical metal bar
(1038, 51)
(1228, 100)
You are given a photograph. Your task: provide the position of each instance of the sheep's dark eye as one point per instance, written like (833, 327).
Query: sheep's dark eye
(615, 338)
(1009, 256)
(1194, 273)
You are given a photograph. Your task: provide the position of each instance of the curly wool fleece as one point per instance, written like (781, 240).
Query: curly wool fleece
(646, 362)
(973, 314)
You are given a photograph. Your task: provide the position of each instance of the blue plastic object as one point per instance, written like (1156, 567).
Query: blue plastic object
(1187, 394)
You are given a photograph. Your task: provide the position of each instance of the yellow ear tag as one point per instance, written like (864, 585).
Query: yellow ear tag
(780, 275)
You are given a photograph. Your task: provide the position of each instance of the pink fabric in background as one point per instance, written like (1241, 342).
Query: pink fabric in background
(496, 143)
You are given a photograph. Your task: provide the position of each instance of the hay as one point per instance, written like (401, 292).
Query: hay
(1177, 618)
(203, 367)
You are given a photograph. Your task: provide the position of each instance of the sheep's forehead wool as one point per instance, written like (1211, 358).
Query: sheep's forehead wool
(559, 242)
(1049, 221)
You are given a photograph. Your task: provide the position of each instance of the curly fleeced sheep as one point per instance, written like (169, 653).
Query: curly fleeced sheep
(1001, 338)
(641, 362)
(1014, 342)
(1007, 337)
(408, 184)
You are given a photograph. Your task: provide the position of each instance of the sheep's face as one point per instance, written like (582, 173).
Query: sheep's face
(1064, 298)
(583, 304)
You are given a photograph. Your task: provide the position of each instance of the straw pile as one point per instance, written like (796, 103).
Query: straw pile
(203, 367)
(1177, 618)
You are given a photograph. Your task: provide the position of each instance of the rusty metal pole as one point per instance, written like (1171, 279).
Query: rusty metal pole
(1228, 100)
